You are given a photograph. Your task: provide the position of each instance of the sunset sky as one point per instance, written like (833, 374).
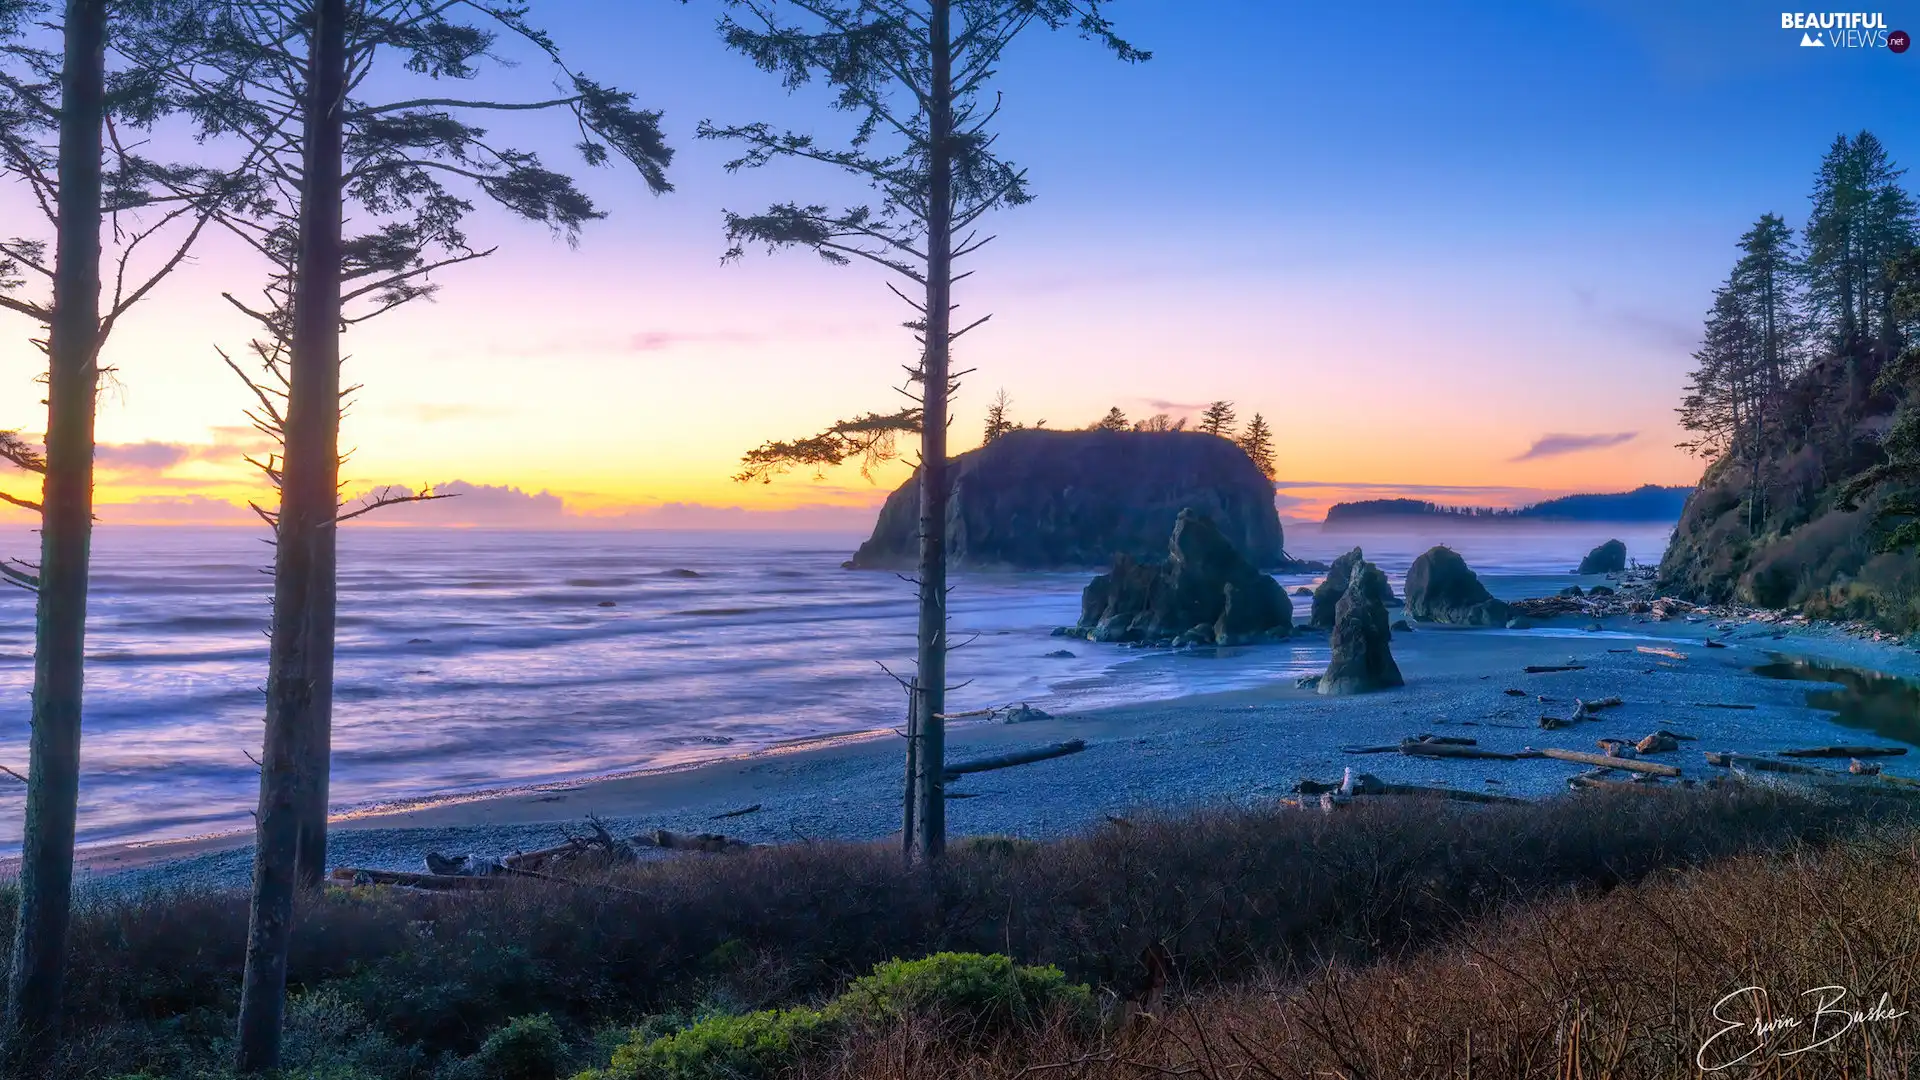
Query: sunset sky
(1453, 250)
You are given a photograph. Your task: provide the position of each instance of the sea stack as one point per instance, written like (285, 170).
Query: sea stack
(1205, 593)
(1054, 500)
(1326, 596)
(1362, 660)
(1608, 558)
(1441, 588)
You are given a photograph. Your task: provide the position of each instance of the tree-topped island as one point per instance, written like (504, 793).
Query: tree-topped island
(1039, 499)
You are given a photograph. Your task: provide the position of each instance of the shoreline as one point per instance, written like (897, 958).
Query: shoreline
(1176, 754)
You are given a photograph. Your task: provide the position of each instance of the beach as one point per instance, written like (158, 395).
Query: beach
(1235, 747)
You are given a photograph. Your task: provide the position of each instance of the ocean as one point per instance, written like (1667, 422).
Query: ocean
(470, 660)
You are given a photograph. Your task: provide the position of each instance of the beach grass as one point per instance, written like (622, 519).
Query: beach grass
(1242, 902)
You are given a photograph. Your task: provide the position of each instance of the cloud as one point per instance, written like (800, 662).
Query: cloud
(141, 457)
(176, 510)
(1556, 445)
(1173, 406)
(491, 506)
(664, 340)
(476, 505)
(152, 459)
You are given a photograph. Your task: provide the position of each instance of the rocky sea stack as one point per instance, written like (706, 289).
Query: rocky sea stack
(1326, 596)
(1362, 662)
(1608, 558)
(1205, 593)
(1054, 500)
(1441, 588)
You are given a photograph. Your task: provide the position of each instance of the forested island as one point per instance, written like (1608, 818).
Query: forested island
(1649, 503)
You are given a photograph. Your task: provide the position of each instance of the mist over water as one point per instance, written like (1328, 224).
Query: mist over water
(475, 659)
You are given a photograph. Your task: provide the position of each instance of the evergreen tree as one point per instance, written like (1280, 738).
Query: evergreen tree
(1218, 419)
(1257, 441)
(56, 109)
(997, 422)
(1115, 420)
(292, 76)
(1861, 219)
(1896, 479)
(918, 75)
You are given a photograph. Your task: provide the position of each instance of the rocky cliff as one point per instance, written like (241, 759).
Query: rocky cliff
(1037, 499)
(1788, 538)
(1205, 593)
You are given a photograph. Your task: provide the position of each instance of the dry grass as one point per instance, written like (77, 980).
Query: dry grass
(1619, 985)
(398, 984)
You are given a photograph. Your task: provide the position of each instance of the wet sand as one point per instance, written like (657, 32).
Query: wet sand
(1160, 756)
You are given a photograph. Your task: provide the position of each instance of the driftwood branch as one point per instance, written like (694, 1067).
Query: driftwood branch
(1023, 757)
(1845, 752)
(1602, 760)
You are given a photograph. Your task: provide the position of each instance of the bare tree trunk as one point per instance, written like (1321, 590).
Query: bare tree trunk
(913, 773)
(931, 680)
(301, 651)
(66, 535)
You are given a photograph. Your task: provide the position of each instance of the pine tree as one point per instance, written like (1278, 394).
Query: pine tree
(106, 206)
(997, 422)
(918, 76)
(1115, 420)
(1218, 419)
(291, 76)
(1861, 219)
(1257, 441)
(1895, 481)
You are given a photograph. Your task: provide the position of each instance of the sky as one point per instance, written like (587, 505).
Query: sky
(1452, 250)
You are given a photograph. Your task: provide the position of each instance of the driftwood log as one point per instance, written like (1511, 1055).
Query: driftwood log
(1603, 761)
(1455, 795)
(348, 875)
(1655, 650)
(1727, 759)
(1022, 757)
(1452, 750)
(1845, 752)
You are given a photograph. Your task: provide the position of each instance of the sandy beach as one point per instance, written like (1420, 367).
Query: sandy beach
(1161, 756)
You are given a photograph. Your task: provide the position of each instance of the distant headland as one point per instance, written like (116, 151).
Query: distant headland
(1649, 504)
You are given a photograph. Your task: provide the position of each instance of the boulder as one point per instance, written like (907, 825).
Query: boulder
(1362, 661)
(1326, 596)
(1608, 558)
(1037, 499)
(1442, 588)
(1205, 593)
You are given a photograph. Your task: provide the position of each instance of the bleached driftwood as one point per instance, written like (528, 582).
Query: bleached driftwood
(1603, 761)
(1022, 757)
(1845, 752)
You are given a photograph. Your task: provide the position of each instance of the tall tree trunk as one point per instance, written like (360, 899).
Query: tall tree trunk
(66, 535)
(931, 680)
(301, 650)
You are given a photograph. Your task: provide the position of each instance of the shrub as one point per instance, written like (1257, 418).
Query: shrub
(981, 993)
(721, 1048)
(527, 1048)
(984, 992)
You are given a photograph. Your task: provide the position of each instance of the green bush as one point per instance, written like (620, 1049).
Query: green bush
(527, 1048)
(722, 1048)
(984, 991)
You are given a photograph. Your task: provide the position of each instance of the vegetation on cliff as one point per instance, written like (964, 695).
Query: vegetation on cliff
(1803, 400)
(1649, 502)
